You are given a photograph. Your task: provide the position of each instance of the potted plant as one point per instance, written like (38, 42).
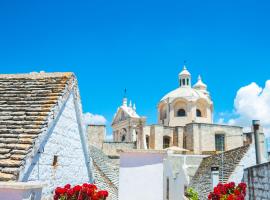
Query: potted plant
(191, 194)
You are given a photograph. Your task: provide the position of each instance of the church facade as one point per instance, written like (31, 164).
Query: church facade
(185, 120)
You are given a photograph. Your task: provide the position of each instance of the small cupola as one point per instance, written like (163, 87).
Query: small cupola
(200, 85)
(184, 78)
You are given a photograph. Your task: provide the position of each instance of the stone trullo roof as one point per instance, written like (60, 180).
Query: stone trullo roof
(28, 103)
(106, 172)
(201, 181)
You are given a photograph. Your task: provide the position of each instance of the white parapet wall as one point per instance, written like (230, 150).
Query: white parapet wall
(141, 176)
(155, 174)
(21, 190)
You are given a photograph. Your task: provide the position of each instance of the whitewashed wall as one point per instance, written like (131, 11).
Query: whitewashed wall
(174, 172)
(248, 160)
(141, 176)
(64, 142)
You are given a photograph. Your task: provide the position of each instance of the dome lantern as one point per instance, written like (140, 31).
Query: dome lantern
(184, 78)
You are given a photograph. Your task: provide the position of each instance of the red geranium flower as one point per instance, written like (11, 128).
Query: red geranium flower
(228, 191)
(78, 192)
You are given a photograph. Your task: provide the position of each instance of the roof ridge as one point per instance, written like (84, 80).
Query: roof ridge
(37, 75)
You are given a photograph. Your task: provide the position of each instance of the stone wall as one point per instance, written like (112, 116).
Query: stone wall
(62, 160)
(257, 178)
(156, 135)
(196, 137)
(201, 137)
(96, 135)
(110, 148)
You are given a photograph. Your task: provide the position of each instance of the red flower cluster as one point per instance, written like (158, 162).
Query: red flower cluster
(78, 192)
(228, 191)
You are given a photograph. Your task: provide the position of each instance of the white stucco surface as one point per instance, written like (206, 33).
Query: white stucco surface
(248, 160)
(65, 143)
(141, 176)
(144, 175)
(174, 172)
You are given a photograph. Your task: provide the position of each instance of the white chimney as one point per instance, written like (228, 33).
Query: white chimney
(259, 142)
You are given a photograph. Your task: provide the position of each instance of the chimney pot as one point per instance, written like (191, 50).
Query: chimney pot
(256, 124)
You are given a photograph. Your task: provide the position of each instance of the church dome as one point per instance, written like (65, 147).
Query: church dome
(186, 104)
(187, 93)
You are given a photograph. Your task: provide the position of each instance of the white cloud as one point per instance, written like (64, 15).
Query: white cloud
(93, 119)
(252, 102)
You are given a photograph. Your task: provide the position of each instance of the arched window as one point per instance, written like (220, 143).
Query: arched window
(198, 113)
(184, 81)
(181, 113)
(123, 139)
(147, 141)
(166, 142)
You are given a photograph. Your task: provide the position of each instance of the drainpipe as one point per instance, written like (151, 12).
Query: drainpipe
(256, 129)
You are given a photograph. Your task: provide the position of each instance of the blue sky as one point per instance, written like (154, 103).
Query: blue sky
(139, 45)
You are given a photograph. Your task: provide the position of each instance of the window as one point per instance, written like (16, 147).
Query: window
(187, 81)
(123, 138)
(147, 141)
(198, 113)
(166, 142)
(181, 113)
(167, 189)
(184, 81)
(219, 140)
